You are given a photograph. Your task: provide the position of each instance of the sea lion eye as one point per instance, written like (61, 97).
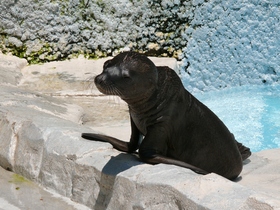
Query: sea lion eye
(125, 74)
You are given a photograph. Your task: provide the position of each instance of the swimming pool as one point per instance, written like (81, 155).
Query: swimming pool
(252, 113)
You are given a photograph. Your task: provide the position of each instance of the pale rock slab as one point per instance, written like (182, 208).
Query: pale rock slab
(18, 193)
(40, 139)
(10, 69)
(72, 77)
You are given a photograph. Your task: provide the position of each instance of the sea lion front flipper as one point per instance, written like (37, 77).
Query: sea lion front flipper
(116, 143)
(120, 145)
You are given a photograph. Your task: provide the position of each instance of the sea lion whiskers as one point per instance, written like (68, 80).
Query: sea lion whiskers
(89, 82)
(115, 91)
(110, 89)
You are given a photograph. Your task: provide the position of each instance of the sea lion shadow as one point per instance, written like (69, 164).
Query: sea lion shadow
(113, 167)
(245, 162)
(120, 163)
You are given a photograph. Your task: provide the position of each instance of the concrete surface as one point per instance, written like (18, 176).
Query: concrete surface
(40, 140)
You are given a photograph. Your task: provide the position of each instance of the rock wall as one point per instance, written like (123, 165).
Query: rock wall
(221, 43)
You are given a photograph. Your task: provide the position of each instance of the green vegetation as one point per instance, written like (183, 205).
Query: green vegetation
(18, 179)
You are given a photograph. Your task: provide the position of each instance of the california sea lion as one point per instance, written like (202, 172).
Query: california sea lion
(177, 128)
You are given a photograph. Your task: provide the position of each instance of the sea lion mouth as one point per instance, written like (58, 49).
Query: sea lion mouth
(106, 87)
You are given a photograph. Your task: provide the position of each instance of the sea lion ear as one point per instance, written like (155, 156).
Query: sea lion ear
(156, 74)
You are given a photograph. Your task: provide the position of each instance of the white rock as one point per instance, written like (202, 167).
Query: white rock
(72, 77)
(40, 139)
(10, 69)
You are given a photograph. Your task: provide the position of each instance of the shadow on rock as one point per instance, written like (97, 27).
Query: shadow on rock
(115, 165)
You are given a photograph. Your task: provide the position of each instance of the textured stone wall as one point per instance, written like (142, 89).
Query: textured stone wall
(56, 29)
(220, 43)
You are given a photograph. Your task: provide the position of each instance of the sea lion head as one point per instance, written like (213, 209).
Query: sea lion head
(129, 75)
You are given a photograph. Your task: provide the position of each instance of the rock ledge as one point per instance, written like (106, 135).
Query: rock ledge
(40, 139)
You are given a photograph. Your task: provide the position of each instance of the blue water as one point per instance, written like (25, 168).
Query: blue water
(252, 113)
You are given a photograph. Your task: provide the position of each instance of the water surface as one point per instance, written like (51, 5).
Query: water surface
(252, 113)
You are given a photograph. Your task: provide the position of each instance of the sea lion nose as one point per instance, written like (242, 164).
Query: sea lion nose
(100, 78)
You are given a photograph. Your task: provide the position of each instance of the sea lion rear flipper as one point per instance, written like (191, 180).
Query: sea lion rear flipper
(156, 159)
(244, 151)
